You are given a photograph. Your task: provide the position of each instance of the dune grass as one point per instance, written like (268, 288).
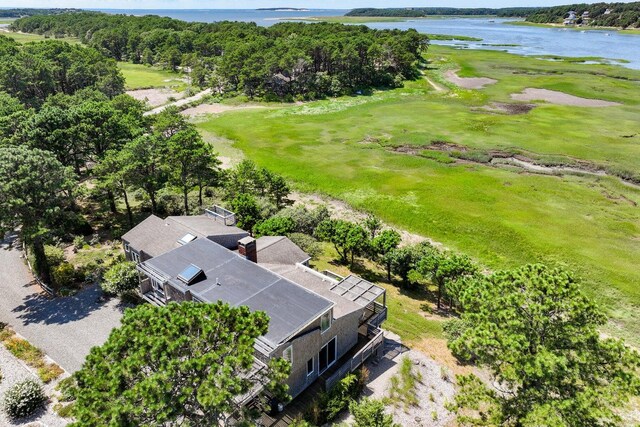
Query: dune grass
(503, 218)
(138, 76)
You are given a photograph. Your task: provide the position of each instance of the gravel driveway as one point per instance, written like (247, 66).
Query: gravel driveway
(65, 328)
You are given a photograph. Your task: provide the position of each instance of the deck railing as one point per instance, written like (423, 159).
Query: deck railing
(358, 359)
(221, 214)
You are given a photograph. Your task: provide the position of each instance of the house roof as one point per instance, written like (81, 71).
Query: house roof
(156, 236)
(279, 250)
(358, 290)
(233, 279)
(317, 283)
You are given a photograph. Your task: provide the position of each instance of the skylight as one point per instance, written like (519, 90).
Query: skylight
(189, 274)
(186, 239)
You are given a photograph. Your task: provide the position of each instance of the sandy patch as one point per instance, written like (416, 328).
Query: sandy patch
(559, 98)
(340, 210)
(432, 392)
(468, 82)
(155, 97)
(203, 109)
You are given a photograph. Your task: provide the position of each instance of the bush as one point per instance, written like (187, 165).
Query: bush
(274, 226)
(23, 399)
(79, 242)
(63, 275)
(330, 404)
(55, 255)
(370, 413)
(120, 279)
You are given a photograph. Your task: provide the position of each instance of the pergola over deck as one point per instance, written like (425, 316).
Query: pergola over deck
(366, 295)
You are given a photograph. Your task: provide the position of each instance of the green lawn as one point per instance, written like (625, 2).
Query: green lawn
(503, 218)
(25, 38)
(138, 76)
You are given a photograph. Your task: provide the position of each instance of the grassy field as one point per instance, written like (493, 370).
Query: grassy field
(138, 76)
(25, 38)
(503, 218)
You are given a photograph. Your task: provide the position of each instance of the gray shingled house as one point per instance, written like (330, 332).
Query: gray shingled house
(325, 325)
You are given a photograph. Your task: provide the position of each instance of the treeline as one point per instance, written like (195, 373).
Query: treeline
(286, 61)
(20, 12)
(34, 71)
(621, 15)
(418, 12)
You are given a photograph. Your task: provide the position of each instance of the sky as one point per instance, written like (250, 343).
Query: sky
(252, 4)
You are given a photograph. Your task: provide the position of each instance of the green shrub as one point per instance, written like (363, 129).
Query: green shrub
(79, 242)
(66, 387)
(120, 278)
(307, 243)
(275, 226)
(23, 399)
(55, 255)
(329, 405)
(64, 275)
(370, 413)
(65, 411)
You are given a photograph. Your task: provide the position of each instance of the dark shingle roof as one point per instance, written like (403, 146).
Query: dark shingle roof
(237, 281)
(156, 236)
(279, 250)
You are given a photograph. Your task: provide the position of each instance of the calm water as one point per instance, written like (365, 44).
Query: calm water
(493, 32)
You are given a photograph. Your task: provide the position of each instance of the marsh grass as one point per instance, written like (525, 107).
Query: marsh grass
(502, 218)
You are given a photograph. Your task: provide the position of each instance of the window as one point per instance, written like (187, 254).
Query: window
(327, 355)
(310, 366)
(186, 239)
(126, 247)
(189, 274)
(287, 354)
(135, 257)
(325, 322)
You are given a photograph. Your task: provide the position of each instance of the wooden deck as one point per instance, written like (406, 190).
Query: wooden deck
(294, 410)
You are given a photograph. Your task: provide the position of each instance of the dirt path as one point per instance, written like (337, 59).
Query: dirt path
(155, 97)
(560, 98)
(180, 102)
(204, 109)
(341, 210)
(468, 82)
(434, 85)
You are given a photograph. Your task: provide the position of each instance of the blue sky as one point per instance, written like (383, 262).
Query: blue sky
(251, 4)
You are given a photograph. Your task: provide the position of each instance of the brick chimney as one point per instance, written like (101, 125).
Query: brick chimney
(248, 248)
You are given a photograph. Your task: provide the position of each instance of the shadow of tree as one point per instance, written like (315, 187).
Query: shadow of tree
(41, 308)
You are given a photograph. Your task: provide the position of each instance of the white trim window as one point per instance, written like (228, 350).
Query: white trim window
(126, 247)
(287, 354)
(135, 257)
(328, 355)
(325, 321)
(310, 367)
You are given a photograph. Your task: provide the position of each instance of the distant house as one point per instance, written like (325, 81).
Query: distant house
(608, 12)
(325, 325)
(571, 19)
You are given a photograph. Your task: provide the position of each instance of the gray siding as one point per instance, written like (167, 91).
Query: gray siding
(307, 346)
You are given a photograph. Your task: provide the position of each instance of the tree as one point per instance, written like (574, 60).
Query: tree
(348, 239)
(181, 364)
(538, 335)
(247, 211)
(113, 176)
(190, 161)
(275, 226)
(370, 413)
(445, 268)
(384, 243)
(276, 187)
(402, 261)
(145, 167)
(35, 190)
(373, 225)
